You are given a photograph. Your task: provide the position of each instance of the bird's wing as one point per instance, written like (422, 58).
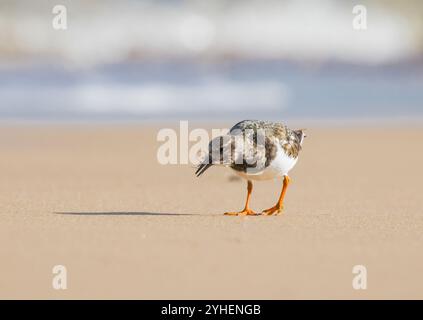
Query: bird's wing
(253, 147)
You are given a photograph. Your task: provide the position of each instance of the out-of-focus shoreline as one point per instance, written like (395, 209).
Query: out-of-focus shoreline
(189, 90)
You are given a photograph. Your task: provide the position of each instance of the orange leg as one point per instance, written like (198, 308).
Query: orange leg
(278, 207)
(246, 211)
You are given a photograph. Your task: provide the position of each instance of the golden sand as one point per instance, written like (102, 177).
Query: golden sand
(95, 200)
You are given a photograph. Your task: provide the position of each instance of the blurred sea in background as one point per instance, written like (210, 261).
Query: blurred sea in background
(163, 60)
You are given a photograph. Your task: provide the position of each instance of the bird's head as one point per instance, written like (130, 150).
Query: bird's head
(301, 135)
(220, 150)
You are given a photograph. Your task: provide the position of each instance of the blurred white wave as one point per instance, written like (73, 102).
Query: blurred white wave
(159, 98)
(265, 90)
(113, 31)
(94, 99)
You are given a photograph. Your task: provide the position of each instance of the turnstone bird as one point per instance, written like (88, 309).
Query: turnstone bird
(256, 150)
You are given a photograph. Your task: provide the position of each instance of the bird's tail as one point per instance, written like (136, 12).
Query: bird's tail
(201, 168)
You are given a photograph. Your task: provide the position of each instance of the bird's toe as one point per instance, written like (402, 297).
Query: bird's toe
(245, 212)
(276, 210)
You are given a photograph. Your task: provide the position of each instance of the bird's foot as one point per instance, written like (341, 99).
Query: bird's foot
(245, 212)
(275, 210)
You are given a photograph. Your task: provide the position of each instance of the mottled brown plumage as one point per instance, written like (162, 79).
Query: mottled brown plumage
(252, 144)
(256, 150)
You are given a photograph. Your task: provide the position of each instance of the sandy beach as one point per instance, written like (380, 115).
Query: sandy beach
(95, 199)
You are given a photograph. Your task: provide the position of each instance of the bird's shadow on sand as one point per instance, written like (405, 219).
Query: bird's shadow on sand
(125, 213)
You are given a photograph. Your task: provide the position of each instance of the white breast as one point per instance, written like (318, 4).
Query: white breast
(282, 162)
(280, 166)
